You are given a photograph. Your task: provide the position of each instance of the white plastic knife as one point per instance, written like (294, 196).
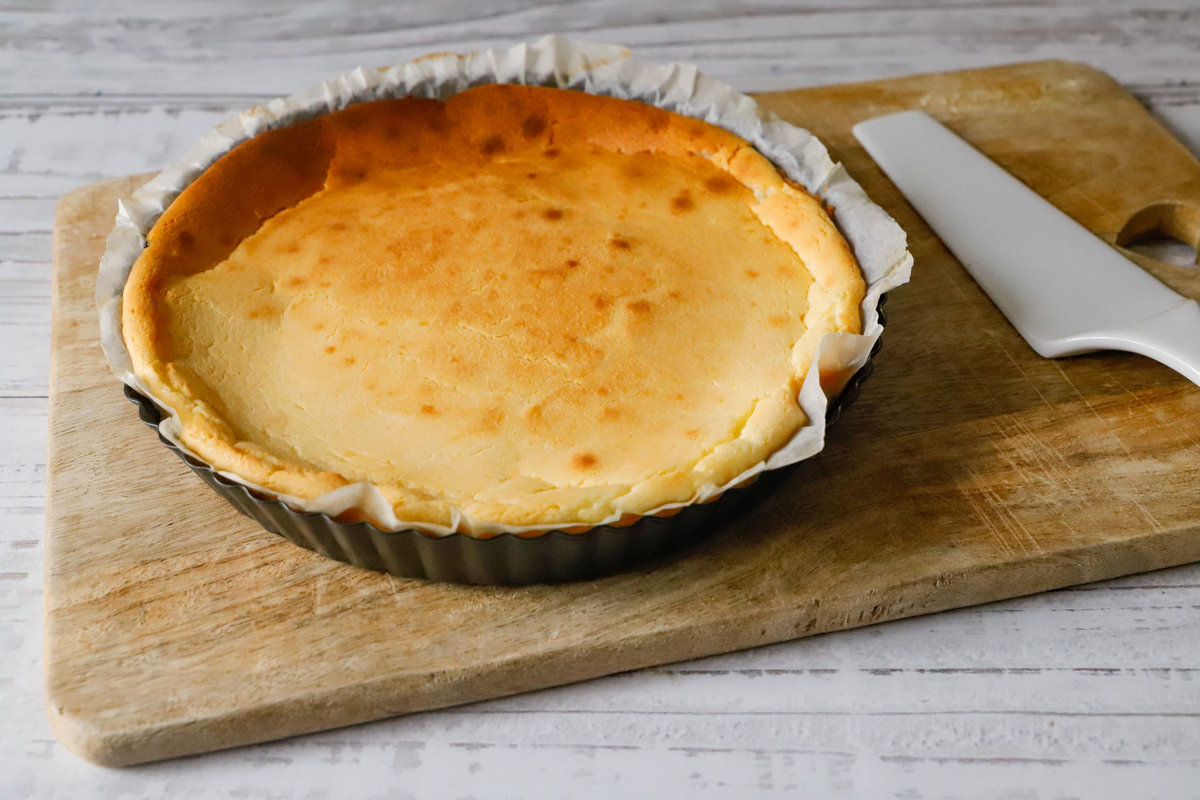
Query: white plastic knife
(1062, 288)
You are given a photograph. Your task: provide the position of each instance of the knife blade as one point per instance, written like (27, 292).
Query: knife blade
(1064, 290)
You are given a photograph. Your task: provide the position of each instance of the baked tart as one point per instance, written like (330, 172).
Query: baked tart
(502, 311)
(521, 306)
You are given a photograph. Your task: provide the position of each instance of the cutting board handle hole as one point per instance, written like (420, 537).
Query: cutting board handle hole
(1167, 232)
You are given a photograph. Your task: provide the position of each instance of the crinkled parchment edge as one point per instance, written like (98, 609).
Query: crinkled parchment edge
(879, 244)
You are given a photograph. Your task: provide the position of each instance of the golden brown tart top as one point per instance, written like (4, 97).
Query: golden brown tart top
(531, 306)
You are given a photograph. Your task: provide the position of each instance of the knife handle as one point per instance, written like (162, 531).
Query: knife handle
(1171, 338)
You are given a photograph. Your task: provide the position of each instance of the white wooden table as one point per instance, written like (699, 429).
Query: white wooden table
(1086, 692)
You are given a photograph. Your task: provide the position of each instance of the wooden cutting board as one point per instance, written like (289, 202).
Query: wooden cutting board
(970, 470)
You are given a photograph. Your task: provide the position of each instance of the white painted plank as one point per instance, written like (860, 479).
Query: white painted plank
(24, 317)
(273, 47)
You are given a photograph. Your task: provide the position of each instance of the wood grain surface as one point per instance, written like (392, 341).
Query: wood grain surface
(970, 470)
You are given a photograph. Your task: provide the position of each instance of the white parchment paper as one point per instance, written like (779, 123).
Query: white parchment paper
(879, 243)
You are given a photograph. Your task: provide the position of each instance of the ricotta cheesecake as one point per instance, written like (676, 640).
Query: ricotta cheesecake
(521, 306)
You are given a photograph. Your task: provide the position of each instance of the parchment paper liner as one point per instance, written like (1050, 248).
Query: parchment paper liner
(878, 242)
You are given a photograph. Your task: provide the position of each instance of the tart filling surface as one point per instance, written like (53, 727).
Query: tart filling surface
(532, 306)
